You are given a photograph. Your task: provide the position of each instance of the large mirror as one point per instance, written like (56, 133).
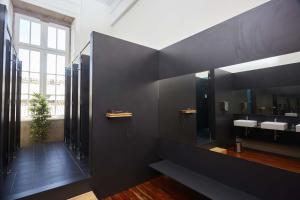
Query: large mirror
(252, 115)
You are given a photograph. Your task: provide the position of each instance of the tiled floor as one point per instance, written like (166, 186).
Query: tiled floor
(42, 165)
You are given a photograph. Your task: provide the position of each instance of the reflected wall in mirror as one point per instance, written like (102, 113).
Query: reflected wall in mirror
(191, 94)
(252, 115)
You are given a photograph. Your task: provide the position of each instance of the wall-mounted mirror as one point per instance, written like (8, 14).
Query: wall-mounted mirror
(252, 115)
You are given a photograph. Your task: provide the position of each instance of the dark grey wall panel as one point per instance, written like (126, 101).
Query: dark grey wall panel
(67, 120)
(269, 30)
(123, 76)
(223, 84)
(18, 104)
(2, 78)
(74, 108)
(260, 180)
(176, 94)
(84, 103)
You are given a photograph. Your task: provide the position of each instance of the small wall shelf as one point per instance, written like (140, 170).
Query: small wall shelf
(188, 111)
(118, 114)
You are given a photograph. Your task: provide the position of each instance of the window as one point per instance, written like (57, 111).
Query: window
(43, 50)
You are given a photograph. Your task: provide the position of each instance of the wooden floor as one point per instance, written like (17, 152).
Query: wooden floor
(161, 188)
(273, 160)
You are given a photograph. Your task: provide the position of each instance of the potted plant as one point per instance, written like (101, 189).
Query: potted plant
(40, 114)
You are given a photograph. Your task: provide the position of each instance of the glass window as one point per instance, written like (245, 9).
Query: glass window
(51, 83)
(61, 64)
(24, 57)
(51, 37)
(42, 50)
(51, 64)
(24, 31)
(35, 34)
(61, 39)
(34, 84)
(35, 61)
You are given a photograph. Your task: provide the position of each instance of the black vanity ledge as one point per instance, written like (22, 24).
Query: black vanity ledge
(202, 184)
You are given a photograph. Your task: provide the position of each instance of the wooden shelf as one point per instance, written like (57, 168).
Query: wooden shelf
(188, 111)
(119, 115)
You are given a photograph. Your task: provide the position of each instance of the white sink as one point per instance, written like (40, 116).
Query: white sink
(274, 125)
(245, 123)
(298, 128)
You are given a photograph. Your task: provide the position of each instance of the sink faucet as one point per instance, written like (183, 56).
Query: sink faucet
(247, 117)
(275, 119)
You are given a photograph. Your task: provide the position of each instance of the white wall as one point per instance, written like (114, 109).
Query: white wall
(160, 23)
(67, 7)
(156, 23)
(93, 17)
(153, 23)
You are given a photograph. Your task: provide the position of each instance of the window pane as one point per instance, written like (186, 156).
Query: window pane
(60, 87)
(51, 63)
(24, 31)
(50, 84)
(61, 63)
(60, 105)
(34, 83)
(24, 57)
(25, 82)
(24, 108)
(61, 39)
(35, 33)
(35, 61)
(52, 37)
(51, 104)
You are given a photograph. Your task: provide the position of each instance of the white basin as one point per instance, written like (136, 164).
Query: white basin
(245, 123)
(298, 128)
(274, 125)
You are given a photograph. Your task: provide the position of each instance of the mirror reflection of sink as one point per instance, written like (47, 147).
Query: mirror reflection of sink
(298, 128)
(291, 114)
(274, 125)
(245, 123)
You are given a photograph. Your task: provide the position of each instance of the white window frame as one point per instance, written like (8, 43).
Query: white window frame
(43, 49)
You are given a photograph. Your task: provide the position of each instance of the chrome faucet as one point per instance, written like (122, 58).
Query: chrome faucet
(275, 119)
(247, 117)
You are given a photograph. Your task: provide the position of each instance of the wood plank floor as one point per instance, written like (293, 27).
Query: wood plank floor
(160, 188)
(273, 160)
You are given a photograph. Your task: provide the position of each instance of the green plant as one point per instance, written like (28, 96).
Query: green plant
(40, 114)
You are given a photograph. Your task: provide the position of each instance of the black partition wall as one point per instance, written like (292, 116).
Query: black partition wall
(84, 105)
(67, 121)
(77, 96)
(271, 29)
(10, 90)
(123, 78)
(74, 109)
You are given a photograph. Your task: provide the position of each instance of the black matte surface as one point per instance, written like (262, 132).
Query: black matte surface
(269, 30)
(67, 119)
(2, 77)
(176, 94)
(84, 105)
(74, 108)
(260, 180)
(123, 78)
(200, 183)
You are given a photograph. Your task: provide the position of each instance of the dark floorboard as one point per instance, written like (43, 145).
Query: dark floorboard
(42, 165)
